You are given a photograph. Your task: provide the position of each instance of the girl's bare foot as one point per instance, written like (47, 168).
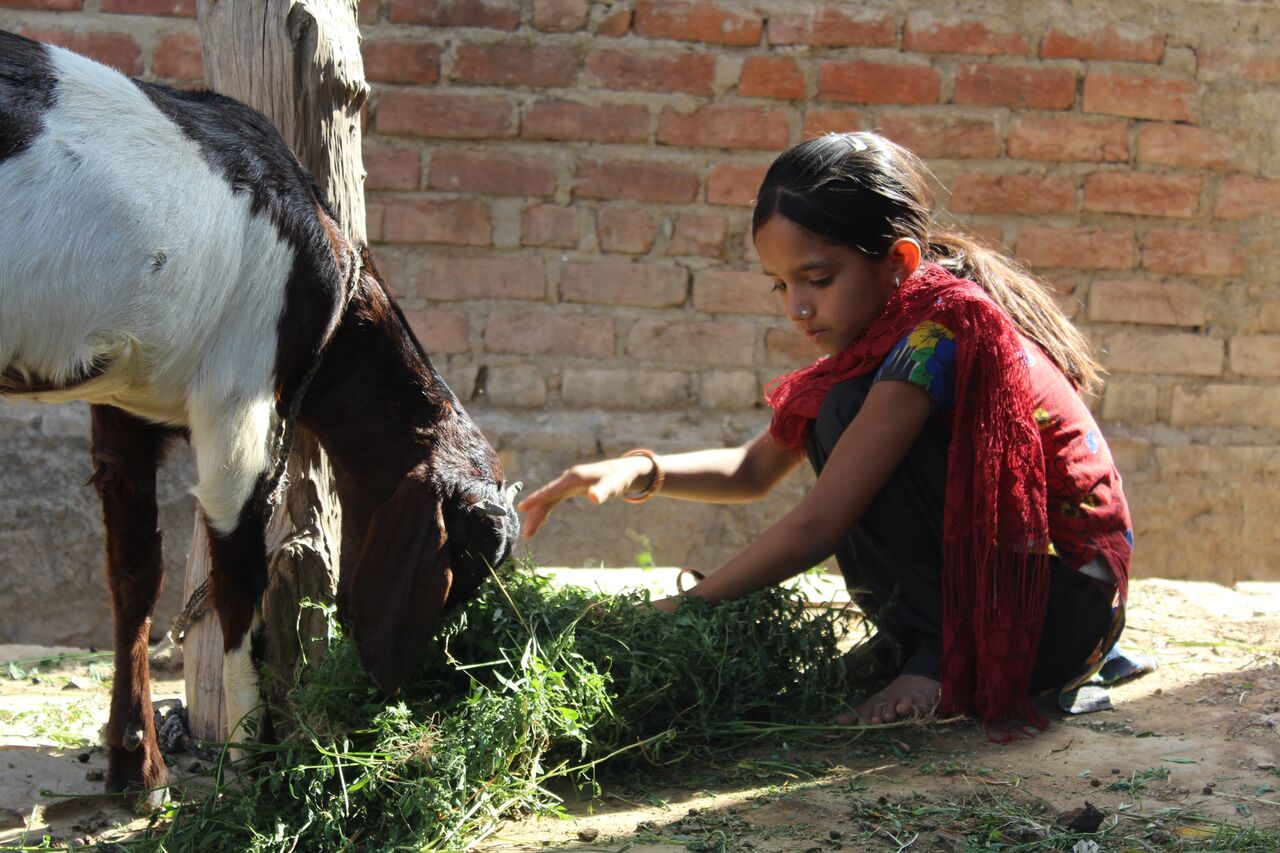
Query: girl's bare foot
(906, 696)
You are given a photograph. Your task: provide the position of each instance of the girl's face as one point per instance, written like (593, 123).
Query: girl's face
(832, 293)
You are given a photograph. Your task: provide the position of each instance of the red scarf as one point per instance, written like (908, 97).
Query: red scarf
(995, 531)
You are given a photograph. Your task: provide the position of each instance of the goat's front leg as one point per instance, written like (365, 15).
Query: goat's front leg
(231, 454)
(126, 453)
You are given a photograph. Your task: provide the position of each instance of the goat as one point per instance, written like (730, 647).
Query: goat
(165, 257)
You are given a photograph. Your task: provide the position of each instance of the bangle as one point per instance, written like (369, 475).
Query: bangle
(655, 481)
(693, 573)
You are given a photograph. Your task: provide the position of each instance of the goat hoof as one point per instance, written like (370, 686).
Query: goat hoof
(140, 775)
(147, 802)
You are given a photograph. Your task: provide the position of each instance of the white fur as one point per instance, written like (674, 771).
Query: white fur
(110, 188)
(240, 689)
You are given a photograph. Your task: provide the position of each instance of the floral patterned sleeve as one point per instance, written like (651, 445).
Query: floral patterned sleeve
(926, 357)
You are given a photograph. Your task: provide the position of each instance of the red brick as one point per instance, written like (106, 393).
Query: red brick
(491, 172)
(693, 343)
(819, 121)
(445, 115)
(548, 334)
(1256, 355)
(1069, 139)
(977, 192)
(924, 33)
(1192, 253)
(1222, 404)
(1106, 43)
(1076, 248)
(391, 168)
(878, 82)
(1139, 97)
(700, 234)
(1018, 87)
(704, 21)
(942, 135)
(1239, 59)
(43, 5)
(443, 332)
(589, 122)
(734, 183)
(409, 219)
(1183, 145)
(626, 230)
(173, 8)
(637, 180)
(1142, 194)
(625, 389)
(514, 64)
(118, 50)
(726, 292)
(831, 26)
(615, 24)
(490, 14)
(990, 236)
(549, 225)
(560, 16)
(463, 277)
(728, 389)
(771, 77)
(644, 285)
(1154, 302)
(785, 347)
(725, 127)
(367, 11)
(401, 61)
(1183, 353)
(1242, 196)
(1066, 304)
(177, 57)
(631, 70)
(394, 266)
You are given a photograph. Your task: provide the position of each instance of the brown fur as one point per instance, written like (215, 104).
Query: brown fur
(126, 453)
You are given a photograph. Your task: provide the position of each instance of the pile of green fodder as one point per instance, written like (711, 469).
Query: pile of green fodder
(528, 683)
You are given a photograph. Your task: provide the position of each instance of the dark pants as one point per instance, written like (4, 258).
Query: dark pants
(892, 559)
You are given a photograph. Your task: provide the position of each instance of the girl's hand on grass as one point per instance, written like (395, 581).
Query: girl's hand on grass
(599, 481)
(666, 605)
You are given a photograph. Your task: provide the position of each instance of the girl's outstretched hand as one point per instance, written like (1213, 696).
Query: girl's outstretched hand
(599, 481)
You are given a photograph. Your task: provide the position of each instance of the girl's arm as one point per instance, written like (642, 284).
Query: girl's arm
(720, 475)
(872, 446)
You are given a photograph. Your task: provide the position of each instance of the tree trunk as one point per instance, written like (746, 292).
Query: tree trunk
(298, 62)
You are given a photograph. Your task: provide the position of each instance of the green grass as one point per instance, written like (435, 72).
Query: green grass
(530, 683)
(67, 726)
(534, 689)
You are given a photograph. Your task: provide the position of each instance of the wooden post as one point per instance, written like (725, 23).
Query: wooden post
(298, 62)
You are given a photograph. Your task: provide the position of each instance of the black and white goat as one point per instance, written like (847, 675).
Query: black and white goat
(164, 257)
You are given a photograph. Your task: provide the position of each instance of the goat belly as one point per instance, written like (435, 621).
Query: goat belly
(133, 273)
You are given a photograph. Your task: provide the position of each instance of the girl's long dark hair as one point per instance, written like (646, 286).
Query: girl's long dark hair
(863, 191)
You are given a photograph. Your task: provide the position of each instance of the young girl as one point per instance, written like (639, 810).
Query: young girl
(963, 487)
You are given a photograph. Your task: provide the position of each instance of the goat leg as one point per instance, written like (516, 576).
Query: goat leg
(126, 453)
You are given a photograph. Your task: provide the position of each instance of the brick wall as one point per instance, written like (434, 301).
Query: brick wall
(559, 194)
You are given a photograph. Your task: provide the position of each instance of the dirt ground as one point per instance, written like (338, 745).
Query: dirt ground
(1198, 735)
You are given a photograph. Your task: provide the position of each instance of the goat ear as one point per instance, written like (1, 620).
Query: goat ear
(401, 582)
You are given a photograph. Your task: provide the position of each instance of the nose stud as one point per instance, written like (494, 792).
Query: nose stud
(804, 313)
